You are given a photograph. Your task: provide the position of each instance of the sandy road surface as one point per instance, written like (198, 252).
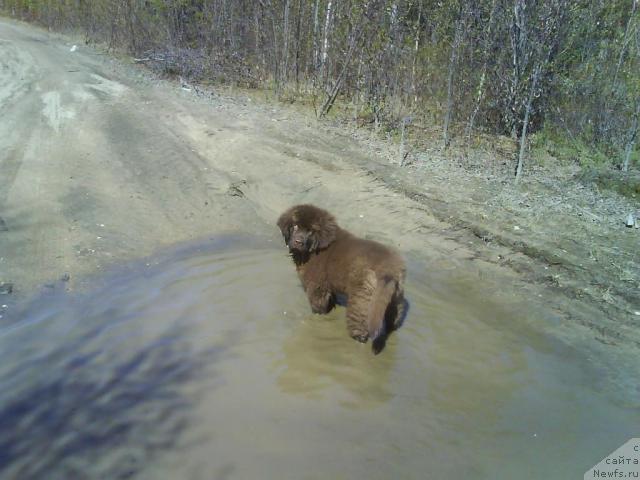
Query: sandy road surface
(99, 165)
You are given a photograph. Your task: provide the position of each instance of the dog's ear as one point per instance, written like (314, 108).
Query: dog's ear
(324, 233)
(285, 224)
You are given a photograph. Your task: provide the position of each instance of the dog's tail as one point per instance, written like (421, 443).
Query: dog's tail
(382, 296)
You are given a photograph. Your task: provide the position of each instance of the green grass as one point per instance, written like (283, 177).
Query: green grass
(626, 184)
(553, 142)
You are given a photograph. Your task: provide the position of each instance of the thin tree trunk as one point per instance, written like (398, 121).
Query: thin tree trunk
(316, 49)
(625, 41)
(518, 45)
(285, 40)
(609, 99)
(298, 41)
(259, 51)
(483, 75)
(130, 24)
(393, 27)
(276, 72)
(325, 41)
(414, 64)
(402, 151)
(331, 98)
(356, 96)
(452, 67)
(525, 123)
(633, 134)
(396, 60)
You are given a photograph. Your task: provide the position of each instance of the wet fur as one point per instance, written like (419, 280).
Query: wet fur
(331, 262)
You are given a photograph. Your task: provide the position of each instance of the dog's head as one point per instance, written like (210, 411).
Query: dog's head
(307, 229)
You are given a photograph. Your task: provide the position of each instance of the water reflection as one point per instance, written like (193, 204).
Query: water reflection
(79, 411)
(205, 362)
(319, 355)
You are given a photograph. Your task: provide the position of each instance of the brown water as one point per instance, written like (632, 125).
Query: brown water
(205, 363)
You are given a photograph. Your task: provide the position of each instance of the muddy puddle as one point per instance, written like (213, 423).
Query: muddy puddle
(204, 363)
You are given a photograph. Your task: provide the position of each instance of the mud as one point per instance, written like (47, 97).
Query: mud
(506, 344)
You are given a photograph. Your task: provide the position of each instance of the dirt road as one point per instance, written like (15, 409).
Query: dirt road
(100, 163)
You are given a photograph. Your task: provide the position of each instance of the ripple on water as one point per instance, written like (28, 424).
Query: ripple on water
(208, 364)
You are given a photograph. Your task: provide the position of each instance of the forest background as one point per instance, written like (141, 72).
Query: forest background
(559, 76)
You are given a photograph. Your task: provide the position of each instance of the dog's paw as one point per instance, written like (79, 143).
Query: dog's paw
(360, 337)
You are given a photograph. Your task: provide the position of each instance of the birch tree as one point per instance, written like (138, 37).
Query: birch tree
(453, 61)
(487, 41)
(325, 41)
(542, 39)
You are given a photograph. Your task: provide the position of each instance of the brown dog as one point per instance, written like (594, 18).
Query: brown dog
(332, 262)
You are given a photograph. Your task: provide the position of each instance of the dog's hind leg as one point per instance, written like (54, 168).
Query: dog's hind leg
(358, 308)
(357, 320)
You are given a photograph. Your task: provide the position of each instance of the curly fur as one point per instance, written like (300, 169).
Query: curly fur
(332, 262)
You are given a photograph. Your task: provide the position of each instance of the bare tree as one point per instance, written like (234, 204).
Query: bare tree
(285, 41)
(455, 46)
(487, 42)
(325, 41)
(520, 52)
(542, 42)
(331, 97)
(631, 138)
(316, 50)
(626, 39)
(525, 122)
(298, 44)
(416, 50)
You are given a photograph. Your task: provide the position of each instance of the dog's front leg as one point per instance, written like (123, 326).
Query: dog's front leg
(320, 299)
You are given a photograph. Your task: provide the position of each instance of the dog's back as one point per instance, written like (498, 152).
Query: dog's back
(350, 258)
